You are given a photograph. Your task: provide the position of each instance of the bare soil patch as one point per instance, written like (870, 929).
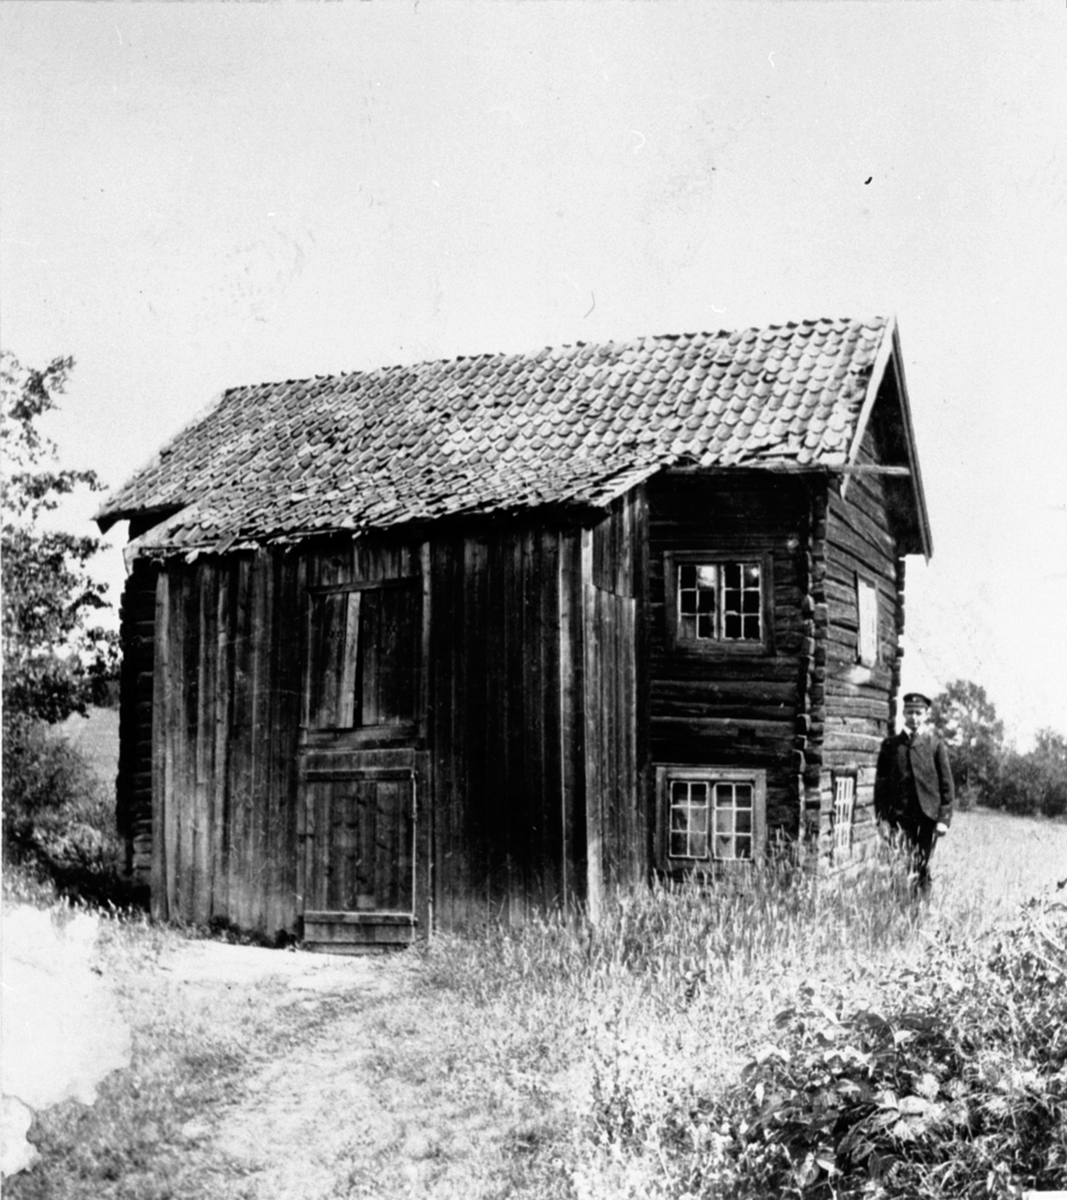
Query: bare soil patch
(378, 1088)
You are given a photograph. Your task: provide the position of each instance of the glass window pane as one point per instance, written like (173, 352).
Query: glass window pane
(750, 602)
(732, 575)
(707, 576)
(687, 600)
(705, 600)
(705, 626)
(711, 818)
(733, 625)
(687, 575)
(752, 575)
(687, 627)
(751, 627)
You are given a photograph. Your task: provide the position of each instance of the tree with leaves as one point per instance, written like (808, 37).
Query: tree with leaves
(966, 721)
(55, 661)
(1036, 782)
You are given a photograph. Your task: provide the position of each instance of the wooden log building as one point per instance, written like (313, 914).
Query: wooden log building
(407, 646)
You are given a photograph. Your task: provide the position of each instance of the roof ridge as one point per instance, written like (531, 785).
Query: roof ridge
(551, 348)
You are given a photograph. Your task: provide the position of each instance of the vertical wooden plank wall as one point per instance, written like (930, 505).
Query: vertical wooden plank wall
(225, 732)
(500, 721)
(613, 583)
(530, 698)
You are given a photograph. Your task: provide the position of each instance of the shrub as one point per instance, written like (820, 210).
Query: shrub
(1036, 782)
(954, 1085)
(59, 815)
(916, 1064)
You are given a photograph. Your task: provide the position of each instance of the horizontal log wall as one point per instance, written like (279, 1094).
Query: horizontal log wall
(859, 699)
(133, 800)
(737, 709)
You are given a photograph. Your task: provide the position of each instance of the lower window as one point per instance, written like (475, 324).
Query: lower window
(844, 813)
(710, 815)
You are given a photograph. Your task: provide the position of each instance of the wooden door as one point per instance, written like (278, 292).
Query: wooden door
(364, 878)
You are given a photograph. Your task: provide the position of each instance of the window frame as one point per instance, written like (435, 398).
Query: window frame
(668, 773)
(370, 735)
(844, 786)
(867, 622)
(718, 647)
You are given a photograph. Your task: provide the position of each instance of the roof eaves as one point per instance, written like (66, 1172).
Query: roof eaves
(874, 383)
(925, 532)
(889, 351)
(109, 512)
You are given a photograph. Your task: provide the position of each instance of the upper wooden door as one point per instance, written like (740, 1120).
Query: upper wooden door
(364, 671)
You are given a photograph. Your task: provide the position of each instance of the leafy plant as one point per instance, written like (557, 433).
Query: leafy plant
(53, 658)
(56, 813)
(954, 1085)
(967, 721)
(1036, 782)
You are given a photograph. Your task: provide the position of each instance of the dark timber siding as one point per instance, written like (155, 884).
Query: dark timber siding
(506, 776)
(859, 699)
(735, 710)
(527, 735)
(134, 784)
(225, 736)
(615, 671)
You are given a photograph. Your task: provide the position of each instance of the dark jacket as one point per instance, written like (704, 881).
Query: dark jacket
(924, 763)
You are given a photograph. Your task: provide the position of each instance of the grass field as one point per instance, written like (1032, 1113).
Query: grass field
(97, 737)
(560, 1061)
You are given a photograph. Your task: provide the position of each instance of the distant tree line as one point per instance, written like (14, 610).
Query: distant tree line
(987, 771)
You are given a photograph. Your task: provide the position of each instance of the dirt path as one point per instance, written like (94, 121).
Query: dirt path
(378, 1094)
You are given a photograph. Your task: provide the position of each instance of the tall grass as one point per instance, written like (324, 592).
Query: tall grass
(651, 1014)
(627, 1037)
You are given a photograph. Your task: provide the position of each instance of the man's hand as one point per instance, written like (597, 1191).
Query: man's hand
(942, 829)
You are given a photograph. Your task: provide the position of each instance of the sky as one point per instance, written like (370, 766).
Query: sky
(195, 196)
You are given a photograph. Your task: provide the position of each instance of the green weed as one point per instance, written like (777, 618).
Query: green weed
(660, 1017)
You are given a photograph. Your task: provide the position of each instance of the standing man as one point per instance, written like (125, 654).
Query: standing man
(913, 789)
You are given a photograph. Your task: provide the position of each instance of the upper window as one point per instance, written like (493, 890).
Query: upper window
(711, 816)
(720, 602)
(867, 615)
(363, 656)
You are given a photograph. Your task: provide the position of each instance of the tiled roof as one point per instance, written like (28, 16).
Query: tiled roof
(572, 426)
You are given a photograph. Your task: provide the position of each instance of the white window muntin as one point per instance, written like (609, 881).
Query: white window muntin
(720, 601)
(844, 813)
(711, 814)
